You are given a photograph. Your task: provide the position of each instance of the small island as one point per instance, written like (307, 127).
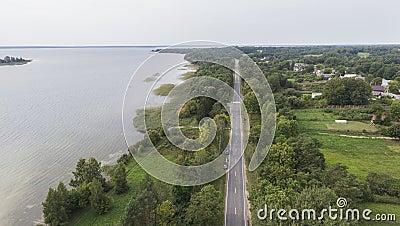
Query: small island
(13, 61)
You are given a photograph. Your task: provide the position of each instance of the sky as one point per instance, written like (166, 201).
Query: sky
(165, 22)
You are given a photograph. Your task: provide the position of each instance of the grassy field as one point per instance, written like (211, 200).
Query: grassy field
(352, 126)
(361, 155)
(314, 118)
(380, 208)
(318, 119)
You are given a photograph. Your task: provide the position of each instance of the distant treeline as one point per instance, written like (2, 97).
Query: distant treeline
(10, 60)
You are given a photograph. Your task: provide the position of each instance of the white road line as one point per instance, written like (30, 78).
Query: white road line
(235, 210)
(241, 147)
(235, 173)
(235, 190)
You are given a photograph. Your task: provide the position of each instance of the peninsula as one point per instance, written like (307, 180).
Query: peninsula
(13, 61)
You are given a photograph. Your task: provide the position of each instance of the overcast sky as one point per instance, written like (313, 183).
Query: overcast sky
(155, 22)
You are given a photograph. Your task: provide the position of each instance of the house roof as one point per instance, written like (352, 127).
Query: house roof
(378, 88)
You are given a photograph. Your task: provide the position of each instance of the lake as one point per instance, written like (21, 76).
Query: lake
(64, 105)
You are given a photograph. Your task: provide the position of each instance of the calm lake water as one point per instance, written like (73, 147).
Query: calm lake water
(64, 105)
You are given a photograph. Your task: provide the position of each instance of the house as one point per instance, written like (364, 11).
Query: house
(391, 95)
(328, 76)
(353, 76)
(319, 72)
(378, 90)
(341, 121)
(385, 83)
(314, 95)
(299, 66)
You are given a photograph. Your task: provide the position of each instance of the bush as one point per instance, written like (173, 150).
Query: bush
(382, 184)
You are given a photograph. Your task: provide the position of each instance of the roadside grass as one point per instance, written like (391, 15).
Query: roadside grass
(164, 89)
(88, 216)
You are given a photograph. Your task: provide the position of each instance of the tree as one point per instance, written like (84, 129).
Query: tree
(344, 184)
(205, 207)
(394, 131)
(394, 87)
(347, 91)
(141, 209)
(287, 128)
(154, 136)
(221, 121)
(328, 70)
(251, 103)
(166, 212)
(279, 165)
(382, 184)
(308, 157)
(395, 110)
(124, 159)
(317, 198)
(55, 207)
(98, 199)
(87, 172)
(79, 174)
(121, 184)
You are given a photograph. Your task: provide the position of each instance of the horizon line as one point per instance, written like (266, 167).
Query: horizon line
(164, 45)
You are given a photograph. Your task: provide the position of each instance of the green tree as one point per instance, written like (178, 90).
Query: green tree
(87, 171)
(141, 209)
(287, 128)
(55, 207)
(347, 91)
(98, 199)
(119, 178)
(205, 207)
(154, 136)
(394, 87)
(166, 213)
(251, 103)
(394, 131)
(279, 165)
(382, 184)
(308, 157)
(344, 184)
(222, 121)
(317, 198)
(395, 110)
(124, 159)
(79, 197)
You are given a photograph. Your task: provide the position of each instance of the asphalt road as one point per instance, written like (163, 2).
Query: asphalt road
(235, 200)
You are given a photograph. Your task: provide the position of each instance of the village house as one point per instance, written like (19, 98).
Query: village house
(353, 76)
(378, 90)
(299, 67)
